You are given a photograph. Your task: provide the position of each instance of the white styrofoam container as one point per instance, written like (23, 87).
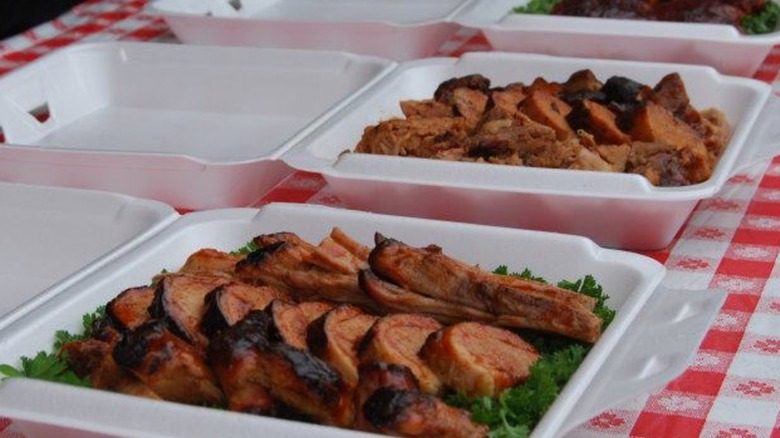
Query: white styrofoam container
(615, 210)
(51, 237)
(717, 45)
(194, 127)
(395, 29)
(638, 338)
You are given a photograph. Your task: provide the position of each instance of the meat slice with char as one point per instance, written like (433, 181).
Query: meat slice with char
(285, 266)
(180, 302)
(173, 369)
(429, 272)
(397, 339)
(335, 338)
(211, 262)
(228, 304)
(130, 308)
(250, 363)
(412, 413)
(477, 359)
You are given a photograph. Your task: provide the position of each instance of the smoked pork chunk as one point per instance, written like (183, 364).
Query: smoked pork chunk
(288, 324)
(130, 308)
(387, 400)
(249, 363)
(211, 262)
(477, 359)
(286, 265)
(228, 304)
(411, 413)
(172, 368)
(397, 339)
(335, 338)
(429, 272)
(180, 302)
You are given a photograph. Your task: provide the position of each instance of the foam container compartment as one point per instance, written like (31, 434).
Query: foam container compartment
(637, 344)
(194, 127)
(395, 29)
(615, 210)
(717, 45)
(51, 237)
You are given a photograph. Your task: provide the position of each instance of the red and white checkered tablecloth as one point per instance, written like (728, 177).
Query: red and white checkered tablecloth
(731, 241)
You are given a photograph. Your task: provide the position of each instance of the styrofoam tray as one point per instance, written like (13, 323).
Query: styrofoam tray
(616, 210)
(717, 45)
(51, 237)
(395, 29)
(647, 317)
(194, 127)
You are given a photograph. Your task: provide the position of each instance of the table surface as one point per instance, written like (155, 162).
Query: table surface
(731, 241)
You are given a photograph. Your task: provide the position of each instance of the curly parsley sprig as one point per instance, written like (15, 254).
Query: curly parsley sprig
(53, 367)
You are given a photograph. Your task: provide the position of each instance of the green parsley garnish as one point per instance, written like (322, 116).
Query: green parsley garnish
(536, 7)
(763, 22)
(250, 247)
(53, 367)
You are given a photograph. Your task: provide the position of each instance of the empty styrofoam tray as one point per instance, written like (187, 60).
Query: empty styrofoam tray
(719, 45)
(395, 29)
(194, 127)
(614, 209)
(647, 316)
(53, 236)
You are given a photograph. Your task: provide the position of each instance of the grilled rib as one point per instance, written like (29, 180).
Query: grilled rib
(428, 271)
(211, 262)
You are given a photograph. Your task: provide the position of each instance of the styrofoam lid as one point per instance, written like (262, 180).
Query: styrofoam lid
(400, 12)
(53, 236)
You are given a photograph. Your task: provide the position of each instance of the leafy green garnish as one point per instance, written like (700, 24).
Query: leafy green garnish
(588, 286)
(536, 7)
(250, 247)
(517, 410)
(762, 22)
(53, 367)
(88, 321)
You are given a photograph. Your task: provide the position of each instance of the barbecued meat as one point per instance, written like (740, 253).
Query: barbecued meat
(233, 357)
(228, 304)
(173, 369)
(287, 265)
(211, 338)
(180, 302)
(412, 413)
(246, 357)
(397, 339)
(580, 124)
(695, 11)
(478, 360)
(210, 262)
(428, 271)
(130, 308)
(288, 324)
(335, 337)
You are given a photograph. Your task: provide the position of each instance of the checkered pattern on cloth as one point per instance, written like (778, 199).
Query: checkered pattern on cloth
(732, 241)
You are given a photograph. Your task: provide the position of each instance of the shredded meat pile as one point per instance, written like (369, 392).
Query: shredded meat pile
(336, 333)
(616, 126)
(692, 11)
